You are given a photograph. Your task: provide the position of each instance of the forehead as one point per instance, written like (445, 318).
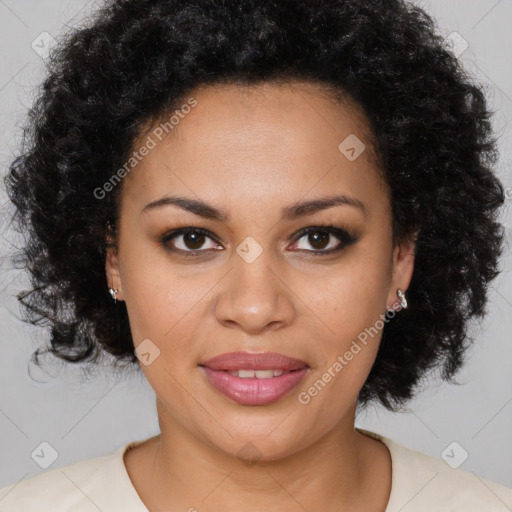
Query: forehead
(277, 138)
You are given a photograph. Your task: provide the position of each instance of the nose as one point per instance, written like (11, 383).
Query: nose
(254, 298)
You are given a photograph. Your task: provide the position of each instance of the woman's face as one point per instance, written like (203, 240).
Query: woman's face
(251, 281)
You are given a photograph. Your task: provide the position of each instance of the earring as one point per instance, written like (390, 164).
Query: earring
(403, 300)
(113, 293)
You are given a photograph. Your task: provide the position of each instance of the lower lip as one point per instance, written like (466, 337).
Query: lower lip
(253, 391)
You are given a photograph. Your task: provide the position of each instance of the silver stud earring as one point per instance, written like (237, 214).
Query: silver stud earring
(403, 300)
(113, 293)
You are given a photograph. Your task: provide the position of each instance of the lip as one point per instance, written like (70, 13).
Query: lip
(242, 360)
(254, 391)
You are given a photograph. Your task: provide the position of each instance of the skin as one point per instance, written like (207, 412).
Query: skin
(252, 151)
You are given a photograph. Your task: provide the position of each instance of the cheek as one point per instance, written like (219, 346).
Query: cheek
(349, 306)
(350, 297)
(157, 296)
(169, 308)
(346, 347)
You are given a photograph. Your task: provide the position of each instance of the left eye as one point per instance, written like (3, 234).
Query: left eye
(321, 239)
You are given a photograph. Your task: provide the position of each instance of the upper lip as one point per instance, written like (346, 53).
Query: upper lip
(254, 361)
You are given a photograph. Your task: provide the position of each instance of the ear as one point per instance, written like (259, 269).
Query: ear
(112, 269)
(403, 267)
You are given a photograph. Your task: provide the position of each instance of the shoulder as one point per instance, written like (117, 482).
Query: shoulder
(424, 483)
(99, 483)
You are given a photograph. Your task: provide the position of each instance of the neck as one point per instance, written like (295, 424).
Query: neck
(342, 470)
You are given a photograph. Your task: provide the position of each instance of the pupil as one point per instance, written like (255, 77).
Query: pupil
(194, 240)
(318, 237)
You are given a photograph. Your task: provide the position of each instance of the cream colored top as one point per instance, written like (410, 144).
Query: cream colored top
(420, 483)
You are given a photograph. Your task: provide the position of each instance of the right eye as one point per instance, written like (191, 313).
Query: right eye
(188, 241)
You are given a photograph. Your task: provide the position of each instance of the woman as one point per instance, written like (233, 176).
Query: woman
(280, 210)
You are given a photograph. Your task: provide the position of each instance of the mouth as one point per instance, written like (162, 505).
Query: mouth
(254, 378)
(234, 361)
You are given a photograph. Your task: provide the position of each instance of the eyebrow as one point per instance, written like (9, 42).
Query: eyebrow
(292, 212)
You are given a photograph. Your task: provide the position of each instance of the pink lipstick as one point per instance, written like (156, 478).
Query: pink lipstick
(254, 378)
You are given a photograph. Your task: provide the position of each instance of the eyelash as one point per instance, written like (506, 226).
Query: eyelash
(346, 238)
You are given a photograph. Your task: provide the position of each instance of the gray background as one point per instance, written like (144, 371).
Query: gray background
(82, 418)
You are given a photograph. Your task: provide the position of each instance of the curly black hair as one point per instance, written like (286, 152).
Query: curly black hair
(135, 60)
